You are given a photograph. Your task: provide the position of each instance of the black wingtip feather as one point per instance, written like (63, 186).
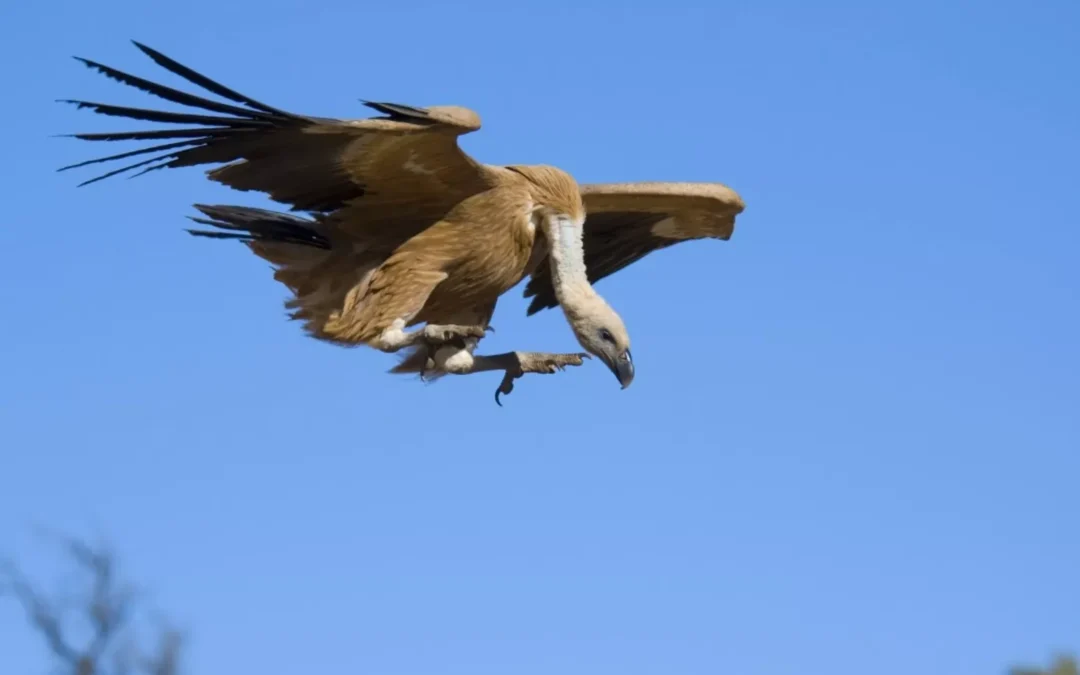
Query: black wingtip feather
(148, 115)
(214, 126)
(399, 111)
(205, 82)
(219, 235)
(252, 224)
(538, 305)
(170, 94)
(163, 165)
(157, 133)
(129, 167)
(199, 130)
(132, 153)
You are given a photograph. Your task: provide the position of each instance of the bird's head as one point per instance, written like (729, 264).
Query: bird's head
(601, 332)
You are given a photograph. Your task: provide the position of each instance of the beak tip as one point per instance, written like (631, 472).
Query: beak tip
(624, 372)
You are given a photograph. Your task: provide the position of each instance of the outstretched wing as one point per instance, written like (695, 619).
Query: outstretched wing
(627, 221)
(313, 164)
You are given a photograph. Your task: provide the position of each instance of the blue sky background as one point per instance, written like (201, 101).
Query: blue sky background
(852, 444)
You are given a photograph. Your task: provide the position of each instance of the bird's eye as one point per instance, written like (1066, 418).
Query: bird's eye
(606, 336)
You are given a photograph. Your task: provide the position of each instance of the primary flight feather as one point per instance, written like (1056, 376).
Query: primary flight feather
(405, 228)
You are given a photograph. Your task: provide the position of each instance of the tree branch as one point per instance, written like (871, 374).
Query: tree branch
(106, 610)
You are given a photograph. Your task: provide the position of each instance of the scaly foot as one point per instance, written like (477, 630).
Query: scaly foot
(536, 362)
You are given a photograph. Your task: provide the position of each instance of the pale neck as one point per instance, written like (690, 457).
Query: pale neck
(568, 275)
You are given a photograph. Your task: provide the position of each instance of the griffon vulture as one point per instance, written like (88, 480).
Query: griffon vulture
(404, 228)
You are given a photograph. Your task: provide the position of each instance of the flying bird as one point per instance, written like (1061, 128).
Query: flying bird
(401, 227)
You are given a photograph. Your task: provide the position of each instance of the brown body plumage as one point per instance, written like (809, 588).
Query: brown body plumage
(407, 229)
(454, 271)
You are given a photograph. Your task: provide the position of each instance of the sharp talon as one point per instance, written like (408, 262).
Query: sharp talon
(489, 329)
(505, 387)
(429, 363)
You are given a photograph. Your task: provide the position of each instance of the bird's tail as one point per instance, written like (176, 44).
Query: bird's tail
(259, 225)
(318, 275)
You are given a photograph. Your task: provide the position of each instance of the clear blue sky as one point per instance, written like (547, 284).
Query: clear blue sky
(853, 440)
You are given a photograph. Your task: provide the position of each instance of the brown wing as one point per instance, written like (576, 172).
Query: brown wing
(625, 222)
(313, 164)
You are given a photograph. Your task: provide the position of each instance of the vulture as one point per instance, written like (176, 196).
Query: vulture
(400, 227)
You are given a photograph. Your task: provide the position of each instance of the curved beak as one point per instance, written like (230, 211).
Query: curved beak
(623, 367)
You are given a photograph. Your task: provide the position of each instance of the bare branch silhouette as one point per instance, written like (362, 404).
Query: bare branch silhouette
(107, 610)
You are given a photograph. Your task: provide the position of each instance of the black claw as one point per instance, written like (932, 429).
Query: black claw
(500, 391)
(507, 384)
(429, 358)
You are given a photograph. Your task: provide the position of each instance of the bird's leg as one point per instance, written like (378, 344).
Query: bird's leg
(395, 338)
(516, 364)
(467, 343)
